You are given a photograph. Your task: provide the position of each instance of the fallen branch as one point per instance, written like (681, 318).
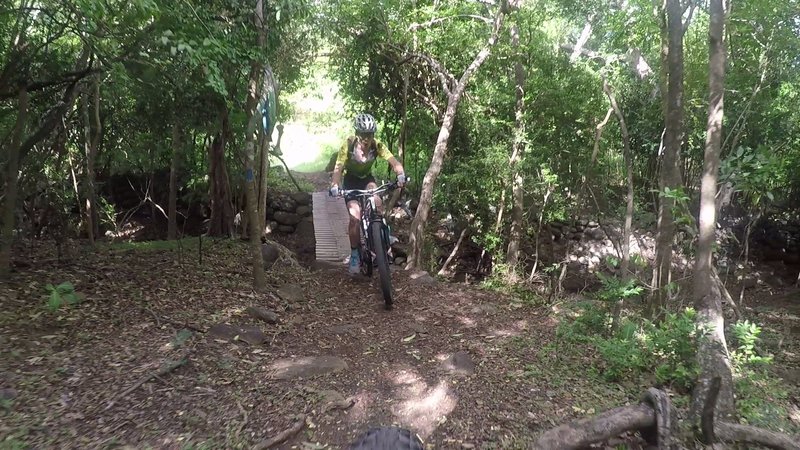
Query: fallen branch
(284, 435)
(167, 367)
(443, 270)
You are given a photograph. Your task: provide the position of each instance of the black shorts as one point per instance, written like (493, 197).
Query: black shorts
(353, 182)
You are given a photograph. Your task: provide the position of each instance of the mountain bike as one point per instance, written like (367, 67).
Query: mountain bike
(375, 248)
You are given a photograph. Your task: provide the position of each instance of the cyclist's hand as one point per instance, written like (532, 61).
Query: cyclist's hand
(334, 190)
(401, 180)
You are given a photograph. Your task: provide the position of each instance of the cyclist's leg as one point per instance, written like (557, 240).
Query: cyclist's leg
(354, 227)
(373, 185)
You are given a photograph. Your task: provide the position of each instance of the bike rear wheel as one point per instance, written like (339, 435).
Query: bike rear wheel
(382, 261)
(387, 438)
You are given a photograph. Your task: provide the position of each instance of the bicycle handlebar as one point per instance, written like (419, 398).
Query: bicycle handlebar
(370, 192)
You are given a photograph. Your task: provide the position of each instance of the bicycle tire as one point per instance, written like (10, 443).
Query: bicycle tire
(387, 438)
(382, 261)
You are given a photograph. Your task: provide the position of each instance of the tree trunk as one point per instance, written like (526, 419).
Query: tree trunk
(517, 152)
(221, 221)
(712, 352)
(251, 109)
(172, 226)
(12, 176)
(453, 98)
(626, 234)
(92, 125)
(670, 175)
(263, 170)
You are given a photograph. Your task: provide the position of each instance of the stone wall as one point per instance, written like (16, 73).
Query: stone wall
(590, 243)
(287, 211)
(775, 240)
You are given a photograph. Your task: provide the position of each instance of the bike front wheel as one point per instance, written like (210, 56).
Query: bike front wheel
(382, 261)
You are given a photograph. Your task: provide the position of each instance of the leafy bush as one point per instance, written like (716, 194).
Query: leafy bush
(673, 344)
(590, 322)
(617, 289)
(759, 396)
(498, 281)
(745, 334)
(640, 345)
(62, 294)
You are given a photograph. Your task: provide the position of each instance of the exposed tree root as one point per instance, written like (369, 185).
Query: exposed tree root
(284, 435)
(582, 433)
(167, 367)
(715, 431)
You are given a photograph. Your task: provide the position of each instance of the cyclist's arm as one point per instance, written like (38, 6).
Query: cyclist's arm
(384, 153)
(336, 177)
(397, 166)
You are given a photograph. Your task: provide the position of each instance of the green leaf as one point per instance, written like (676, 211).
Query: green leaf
(54, 302)
(65, 287)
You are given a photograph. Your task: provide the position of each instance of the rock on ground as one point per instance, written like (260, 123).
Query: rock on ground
(304, 367)
(261, 313)
(247, 333)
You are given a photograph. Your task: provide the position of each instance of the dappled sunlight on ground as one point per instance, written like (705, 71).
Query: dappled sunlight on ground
(421, 407)
(516, 329)
(360, 410)
(467, 322)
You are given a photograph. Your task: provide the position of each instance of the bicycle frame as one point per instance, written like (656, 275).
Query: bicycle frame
(372, 246)
(369, 215)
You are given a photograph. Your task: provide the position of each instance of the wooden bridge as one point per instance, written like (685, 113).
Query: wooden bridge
(330, 227)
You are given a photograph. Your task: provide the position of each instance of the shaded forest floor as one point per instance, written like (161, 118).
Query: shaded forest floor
(461, 366)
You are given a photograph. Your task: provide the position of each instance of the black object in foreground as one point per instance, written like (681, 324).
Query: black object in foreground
(387, 438)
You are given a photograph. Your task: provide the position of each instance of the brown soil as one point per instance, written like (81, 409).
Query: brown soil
(74, 373)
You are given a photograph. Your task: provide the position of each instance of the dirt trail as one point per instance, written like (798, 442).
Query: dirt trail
(65, 368)
(460, 366)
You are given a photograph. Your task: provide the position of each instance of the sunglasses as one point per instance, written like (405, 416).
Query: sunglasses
(365, 136)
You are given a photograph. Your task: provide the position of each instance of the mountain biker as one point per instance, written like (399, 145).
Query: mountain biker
(356, 157)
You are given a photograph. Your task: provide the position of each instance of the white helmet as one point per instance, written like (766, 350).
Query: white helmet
(365, 123)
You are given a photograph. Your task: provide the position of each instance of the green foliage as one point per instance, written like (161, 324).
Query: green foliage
(63, 294)
(760, 397)
(500, 281)
(181, 337)
(280, 181)
(615, 288)
(756, 173)
(745, 334)
(760, 400)
(667, 349)
(680, 209)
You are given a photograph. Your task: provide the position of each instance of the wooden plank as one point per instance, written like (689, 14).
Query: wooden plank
(330, 227)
